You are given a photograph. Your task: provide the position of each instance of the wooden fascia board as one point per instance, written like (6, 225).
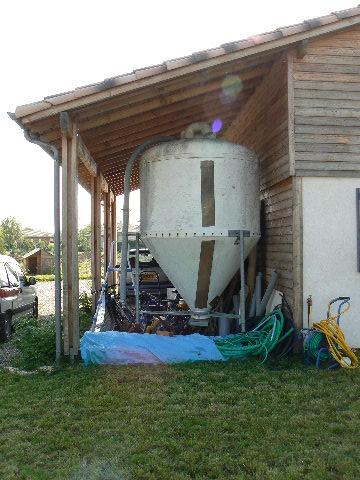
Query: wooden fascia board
(86, 158)
(177, 72)
(104, 184)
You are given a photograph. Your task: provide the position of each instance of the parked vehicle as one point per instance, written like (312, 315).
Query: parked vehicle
(17, 295)
(152, 277)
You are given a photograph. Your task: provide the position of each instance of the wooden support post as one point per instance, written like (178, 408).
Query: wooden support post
(114, 234)
(69, 156)
(96, 237)
(107, 229)
(297, 252)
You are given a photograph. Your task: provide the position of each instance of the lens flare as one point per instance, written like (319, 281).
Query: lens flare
(216, 125)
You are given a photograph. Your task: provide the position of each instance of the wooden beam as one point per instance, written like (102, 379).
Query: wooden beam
(107, 230)
(125, 145)
(104, 185)
(96, 237)
(162, 101)
(86, 158)
(70, 237)
(176, 123)
(66, 125)
(297, 254)
(65, 154)
(200, 101)
(95, 95)
(291, 111)
(187, 89)
(247, 69)
(301, 49)
(114, 233)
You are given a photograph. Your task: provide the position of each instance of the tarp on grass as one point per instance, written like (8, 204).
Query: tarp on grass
(114, 348)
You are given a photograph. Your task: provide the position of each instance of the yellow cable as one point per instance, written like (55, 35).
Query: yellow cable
(335, 337)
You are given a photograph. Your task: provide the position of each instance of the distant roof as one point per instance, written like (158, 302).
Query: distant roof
(29, 232)
(36, 250)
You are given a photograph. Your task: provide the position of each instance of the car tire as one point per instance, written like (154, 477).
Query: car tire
(5, 327)
(35, 309)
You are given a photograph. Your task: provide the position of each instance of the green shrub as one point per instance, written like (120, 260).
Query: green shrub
(35, 339)
(85, 268)
(85, 322)
(51, 277)
(85, 302)
(45, 278)
(84, 276)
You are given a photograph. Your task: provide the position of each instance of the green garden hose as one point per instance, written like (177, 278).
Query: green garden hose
(315, 340)
(258, 342)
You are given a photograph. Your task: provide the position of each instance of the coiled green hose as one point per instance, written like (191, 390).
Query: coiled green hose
(258, 342)
(312, 345)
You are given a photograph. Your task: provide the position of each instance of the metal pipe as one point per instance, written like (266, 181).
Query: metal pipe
(252, 311)
(125, 226)
(137, 275)
(55, 154)
(242, 309)
(257, 294)
(187, 313)
(224, 326)
(268, 292)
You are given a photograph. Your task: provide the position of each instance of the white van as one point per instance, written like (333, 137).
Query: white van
(17, 295)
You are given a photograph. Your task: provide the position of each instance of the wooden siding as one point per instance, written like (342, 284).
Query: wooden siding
(262, 125)
(327, 106)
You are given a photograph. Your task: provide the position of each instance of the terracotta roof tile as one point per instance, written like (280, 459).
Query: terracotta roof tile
(349, 12)
(149, 71)
(187, 60)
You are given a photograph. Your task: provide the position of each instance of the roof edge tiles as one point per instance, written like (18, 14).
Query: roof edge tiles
(274, 36)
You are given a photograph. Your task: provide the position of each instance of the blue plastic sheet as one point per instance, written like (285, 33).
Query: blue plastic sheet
(128, 348)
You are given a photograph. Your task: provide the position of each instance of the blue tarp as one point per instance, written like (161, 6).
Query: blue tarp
(127, 348)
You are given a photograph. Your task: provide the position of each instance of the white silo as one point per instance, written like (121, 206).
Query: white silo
(192, 193)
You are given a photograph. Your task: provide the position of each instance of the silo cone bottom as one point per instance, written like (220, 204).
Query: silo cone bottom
(200, 317)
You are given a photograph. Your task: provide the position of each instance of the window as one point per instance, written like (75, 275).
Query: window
(146, 260)
(12, 275)
(4, 282)
(15, 267)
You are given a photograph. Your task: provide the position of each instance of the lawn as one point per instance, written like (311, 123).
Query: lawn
(192, 421)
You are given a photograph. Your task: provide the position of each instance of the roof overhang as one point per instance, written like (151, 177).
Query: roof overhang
(116, 115)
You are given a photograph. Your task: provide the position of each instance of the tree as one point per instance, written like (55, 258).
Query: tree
(2, 243)
(13, 238)
(84, 239)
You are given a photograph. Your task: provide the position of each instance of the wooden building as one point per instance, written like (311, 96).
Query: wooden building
(38, 262)
(292, 95)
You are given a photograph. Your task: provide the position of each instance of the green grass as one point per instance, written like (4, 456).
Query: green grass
(51, 277)
(194, 421)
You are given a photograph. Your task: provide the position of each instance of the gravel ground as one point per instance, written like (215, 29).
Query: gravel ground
(46, 294)
(7, 353)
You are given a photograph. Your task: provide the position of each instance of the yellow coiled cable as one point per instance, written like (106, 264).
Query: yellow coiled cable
(335, 337)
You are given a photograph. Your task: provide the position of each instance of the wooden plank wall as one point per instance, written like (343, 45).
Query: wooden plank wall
(327, 106)
(262, 125)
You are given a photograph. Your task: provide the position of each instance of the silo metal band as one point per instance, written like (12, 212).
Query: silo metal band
(207, 193)
(204, 273)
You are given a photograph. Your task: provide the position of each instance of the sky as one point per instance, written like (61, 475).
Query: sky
(53, 46)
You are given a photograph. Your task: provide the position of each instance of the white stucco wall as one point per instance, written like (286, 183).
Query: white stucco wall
(329, 248)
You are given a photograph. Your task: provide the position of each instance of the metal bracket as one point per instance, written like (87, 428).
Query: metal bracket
(240, 235)
(188, 313)
(236, 234)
